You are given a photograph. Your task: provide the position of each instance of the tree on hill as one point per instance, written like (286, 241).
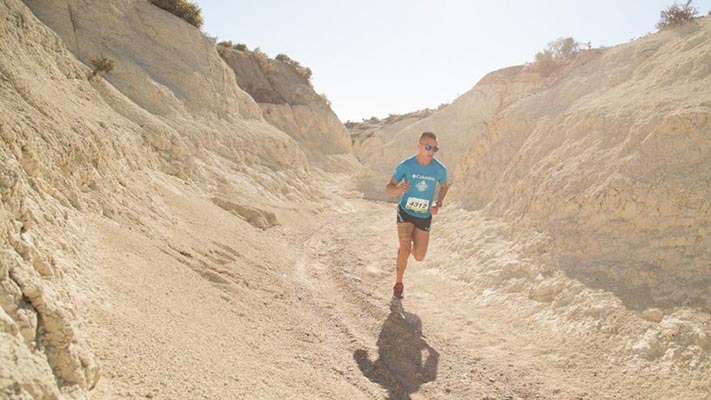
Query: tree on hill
(676, 15)
(555, 55)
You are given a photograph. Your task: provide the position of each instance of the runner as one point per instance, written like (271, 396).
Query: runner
(415, 178)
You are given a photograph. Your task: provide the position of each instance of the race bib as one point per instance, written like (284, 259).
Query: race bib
(417, 205)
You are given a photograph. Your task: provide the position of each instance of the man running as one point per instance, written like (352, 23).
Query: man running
(415, 178)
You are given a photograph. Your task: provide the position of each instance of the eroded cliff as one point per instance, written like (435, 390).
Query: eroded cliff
(289, 102)
(609, 159)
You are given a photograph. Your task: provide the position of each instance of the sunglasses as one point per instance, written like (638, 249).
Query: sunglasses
(430, 148)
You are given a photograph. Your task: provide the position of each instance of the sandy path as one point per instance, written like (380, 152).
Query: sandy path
(349, 261)
(196, 306)
(485, 349)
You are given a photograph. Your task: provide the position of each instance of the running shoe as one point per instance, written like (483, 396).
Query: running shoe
(397, 291)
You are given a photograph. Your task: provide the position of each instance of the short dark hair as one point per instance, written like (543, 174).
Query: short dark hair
(428, 134)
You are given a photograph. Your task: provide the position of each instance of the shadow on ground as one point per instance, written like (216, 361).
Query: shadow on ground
(401, 350)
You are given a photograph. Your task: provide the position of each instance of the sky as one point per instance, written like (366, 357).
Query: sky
(375, 58)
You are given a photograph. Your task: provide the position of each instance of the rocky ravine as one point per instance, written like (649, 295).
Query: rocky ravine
(161, 239)
(73, 146)
(601, 172)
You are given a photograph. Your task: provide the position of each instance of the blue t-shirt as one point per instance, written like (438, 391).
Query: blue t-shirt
(423, 179)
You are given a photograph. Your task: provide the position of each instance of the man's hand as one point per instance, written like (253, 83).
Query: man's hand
(434, 208)
(395, 189)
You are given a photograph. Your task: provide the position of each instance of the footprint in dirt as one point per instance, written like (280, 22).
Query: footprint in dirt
(400, 368)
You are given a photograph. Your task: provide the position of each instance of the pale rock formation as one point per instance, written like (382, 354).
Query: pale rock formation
(72, 145)
(611, 160)
(288, 102)
(187, 98)
(161, 64)
(46, 132)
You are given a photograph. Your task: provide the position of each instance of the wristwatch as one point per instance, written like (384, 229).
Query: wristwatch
(438, 204)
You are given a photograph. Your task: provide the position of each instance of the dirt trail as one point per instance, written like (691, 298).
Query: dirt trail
(444, 340)
(197, 306)
(432, 344)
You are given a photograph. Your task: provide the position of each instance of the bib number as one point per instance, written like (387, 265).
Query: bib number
(417, 205)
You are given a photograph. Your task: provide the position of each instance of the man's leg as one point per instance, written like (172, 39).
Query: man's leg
(422, 240)
(404, 233)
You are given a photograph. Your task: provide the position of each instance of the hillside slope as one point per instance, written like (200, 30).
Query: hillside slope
(611, 160)
(78, 152)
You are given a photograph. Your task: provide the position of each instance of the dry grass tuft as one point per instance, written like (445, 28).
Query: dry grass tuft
(184, 9)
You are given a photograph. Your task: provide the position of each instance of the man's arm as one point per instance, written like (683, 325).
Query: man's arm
(434, 208)
(442, 192)
(393, 188)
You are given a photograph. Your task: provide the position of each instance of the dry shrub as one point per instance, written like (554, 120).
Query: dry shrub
(564, 49)
(235, 46)
(265, 63)
(101, 64)
(325, 99)
(676, 15)
(222, 51)
(184, 9)
(555, 55)
(284, 58)
(544, 62)
(304, 72)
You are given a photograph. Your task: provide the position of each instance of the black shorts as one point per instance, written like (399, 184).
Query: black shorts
(422, 224)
